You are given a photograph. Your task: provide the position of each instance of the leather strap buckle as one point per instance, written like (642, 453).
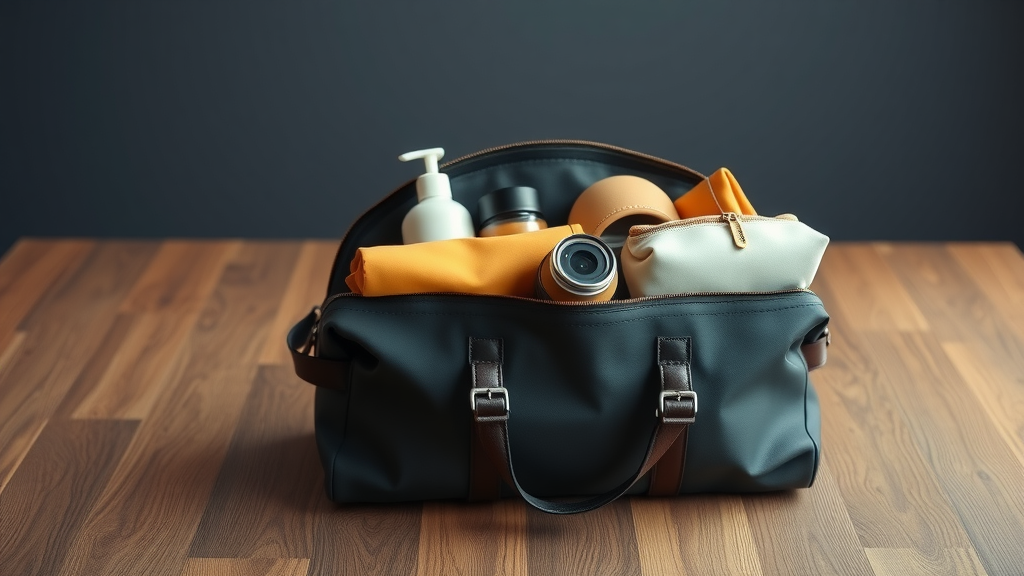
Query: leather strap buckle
(668, 414)
(476, 393)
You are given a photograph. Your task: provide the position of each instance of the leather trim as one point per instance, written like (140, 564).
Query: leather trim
(491, 413)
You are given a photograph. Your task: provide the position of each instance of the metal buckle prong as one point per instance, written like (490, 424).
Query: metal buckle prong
(677, 395)
(474, 393)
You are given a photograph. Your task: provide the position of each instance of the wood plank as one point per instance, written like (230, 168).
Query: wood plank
(806, 531)
(181, 276)
(694, 535)
(979, 473)
(170, 468)
(598, 542)
(245, 567)
(481, 539)
(998, 270)
(870, 296)
(165, 305)
(998, 388)
(271, 479)
(61, 334)
(365, 540)
(905, 562)
(8, 349)
(28, 270)
(306, 289)
(957, 308)
(17, 457)
(54, 488)
(892, 495)
(151, 353)
(96, 366)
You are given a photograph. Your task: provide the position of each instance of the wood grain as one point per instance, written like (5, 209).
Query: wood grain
(909, 562)
(28, 270)
(708, 535)
(150, 424)
(979, 473)
(893, 498)
(55, 486)
(806, 531)
(482, 539)
(61, 334)
(368, 540)
(245, 567)
(867, 292)
(998, 388)
(271, 477)
(170, 468)
(599, 542)
(164, 304)
(305, 290)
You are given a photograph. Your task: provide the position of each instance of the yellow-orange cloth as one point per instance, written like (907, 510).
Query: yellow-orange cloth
(497, 265)
(717, 194)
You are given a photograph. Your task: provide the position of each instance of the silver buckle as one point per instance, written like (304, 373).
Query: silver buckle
(677, 395)
(474, 393)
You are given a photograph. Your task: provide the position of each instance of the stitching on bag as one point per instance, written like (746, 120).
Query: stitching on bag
(501, 351)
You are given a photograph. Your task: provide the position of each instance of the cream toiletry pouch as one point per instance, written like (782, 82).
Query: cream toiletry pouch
(722, 253)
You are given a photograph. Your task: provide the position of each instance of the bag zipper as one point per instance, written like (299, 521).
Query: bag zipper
(670, 164)
(570, 303)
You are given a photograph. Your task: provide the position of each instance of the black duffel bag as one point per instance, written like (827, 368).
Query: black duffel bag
(441, 396)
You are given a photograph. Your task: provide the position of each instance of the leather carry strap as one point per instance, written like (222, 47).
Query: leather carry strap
(677, 409)
(322, 372)
(667, 474)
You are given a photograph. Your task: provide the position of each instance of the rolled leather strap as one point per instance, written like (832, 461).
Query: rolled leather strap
(677, 408)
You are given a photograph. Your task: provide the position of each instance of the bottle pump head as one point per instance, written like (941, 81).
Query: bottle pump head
(431, 183)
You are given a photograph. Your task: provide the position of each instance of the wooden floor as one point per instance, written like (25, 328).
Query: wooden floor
(150, 424)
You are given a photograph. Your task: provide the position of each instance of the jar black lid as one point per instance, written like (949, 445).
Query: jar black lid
(511, 200)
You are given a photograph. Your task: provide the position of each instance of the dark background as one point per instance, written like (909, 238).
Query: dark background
(869, 119)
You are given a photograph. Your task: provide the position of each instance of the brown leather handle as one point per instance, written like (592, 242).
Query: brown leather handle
(676, 410)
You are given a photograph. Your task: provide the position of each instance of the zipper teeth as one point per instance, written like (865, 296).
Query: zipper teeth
(645, 230)
(575, 304)
(510, 147)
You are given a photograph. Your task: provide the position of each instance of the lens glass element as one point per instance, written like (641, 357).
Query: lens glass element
(585, 265)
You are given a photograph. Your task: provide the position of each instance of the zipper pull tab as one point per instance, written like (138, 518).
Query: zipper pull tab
(736, 227)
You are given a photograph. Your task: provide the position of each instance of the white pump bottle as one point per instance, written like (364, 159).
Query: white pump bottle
(437, 216)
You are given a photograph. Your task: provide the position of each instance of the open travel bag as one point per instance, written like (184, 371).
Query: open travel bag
(568, 405)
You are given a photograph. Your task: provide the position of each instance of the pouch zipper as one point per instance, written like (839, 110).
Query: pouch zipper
(485, 151)
(734, 221)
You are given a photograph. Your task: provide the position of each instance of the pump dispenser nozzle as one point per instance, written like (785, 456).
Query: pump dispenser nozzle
(431, 183)
(436, 216)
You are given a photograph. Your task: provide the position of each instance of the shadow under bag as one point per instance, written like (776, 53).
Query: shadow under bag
(568, 405)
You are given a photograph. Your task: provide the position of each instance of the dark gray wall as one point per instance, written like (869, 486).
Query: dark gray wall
(870, 119)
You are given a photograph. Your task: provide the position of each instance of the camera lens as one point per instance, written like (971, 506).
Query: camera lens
(582, 261)
(583, 265)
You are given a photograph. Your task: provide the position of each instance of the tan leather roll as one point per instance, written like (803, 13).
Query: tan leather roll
(609, 207)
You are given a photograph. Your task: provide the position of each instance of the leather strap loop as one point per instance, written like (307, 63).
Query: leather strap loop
(676, 409)
(322, 372)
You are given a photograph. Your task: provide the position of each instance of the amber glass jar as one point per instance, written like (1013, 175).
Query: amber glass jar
(510, 210)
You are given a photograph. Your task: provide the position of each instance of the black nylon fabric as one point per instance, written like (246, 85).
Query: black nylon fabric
(583, 387)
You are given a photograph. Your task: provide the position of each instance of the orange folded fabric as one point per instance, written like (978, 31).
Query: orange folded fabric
(497, 265)
(717, 194)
